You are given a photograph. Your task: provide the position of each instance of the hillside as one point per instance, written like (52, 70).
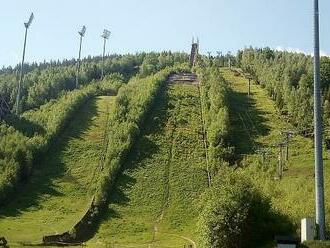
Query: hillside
(257, 125)
(153, 189)
(62, 185)
(153, 202)
(165, 124)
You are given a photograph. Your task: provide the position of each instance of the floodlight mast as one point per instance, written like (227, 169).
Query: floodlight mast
(81, 34)
(220, 57)
(20, 82)
(105, 36)
(319, 184)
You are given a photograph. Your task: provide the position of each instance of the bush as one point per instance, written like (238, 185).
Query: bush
(214, 94)
(236, 214)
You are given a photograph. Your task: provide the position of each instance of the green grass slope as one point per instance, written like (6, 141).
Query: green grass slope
(153, 203)
(61, 186)
(257, 124)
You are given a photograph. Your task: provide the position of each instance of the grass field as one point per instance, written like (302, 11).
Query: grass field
(257, 124)
(61, 186)
(153, 203)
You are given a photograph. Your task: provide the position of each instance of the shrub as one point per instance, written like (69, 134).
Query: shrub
(214, 93)
(236, 214)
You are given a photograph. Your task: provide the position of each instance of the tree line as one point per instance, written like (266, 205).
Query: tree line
(43, 83)
(288, 79)
(214, 100)
(48, 80)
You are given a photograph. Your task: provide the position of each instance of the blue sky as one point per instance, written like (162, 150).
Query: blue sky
(155, 25)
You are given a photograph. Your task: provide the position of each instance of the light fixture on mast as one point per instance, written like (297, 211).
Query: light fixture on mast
(82, 34)
(105, 36)
(27, 25)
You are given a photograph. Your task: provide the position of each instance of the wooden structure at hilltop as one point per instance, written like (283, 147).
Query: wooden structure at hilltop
(183, 78)
(194, 52)
(4, 107)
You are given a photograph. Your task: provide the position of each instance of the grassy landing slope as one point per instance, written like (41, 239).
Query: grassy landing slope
(257, 124)
(60, 189)
(153, 203)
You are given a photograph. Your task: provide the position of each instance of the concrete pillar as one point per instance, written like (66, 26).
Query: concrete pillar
(307, 229)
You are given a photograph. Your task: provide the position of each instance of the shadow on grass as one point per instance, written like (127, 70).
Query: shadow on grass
(246, 123)
(269, 225)
(41, 185)
(24, 126)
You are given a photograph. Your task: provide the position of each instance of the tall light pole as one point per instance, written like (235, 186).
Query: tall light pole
(81, 33)
(105, 36)
(219, 57)
(209, 58)
(229, 60)
(27, 25)
(319, 184)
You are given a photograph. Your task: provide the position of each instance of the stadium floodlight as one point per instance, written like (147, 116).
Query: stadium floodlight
(82, 34)
(220, 58)
(27, 25)
(82, 31)
(105, 36)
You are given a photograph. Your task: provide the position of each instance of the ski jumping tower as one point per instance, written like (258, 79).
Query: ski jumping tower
(194, 52)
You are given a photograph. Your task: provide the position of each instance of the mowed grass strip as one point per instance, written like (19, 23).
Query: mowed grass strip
(293, 196)
(153, 203)
(188, 176)
(61, 187)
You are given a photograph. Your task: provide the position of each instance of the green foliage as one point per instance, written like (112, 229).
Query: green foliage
(62, 183)
(214, 94)
(235, 214)
(315, 244)
(24, 139)
(325, 72)
(162, 178)
(293, 195)
(154, 62)
(288, 78)
(132, 104)
(48, 81)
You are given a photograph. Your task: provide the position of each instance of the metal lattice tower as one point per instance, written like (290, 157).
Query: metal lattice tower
(194, 52)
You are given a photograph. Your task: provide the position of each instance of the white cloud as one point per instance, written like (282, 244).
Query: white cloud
(324, 54)
(297, 50)
(289, 49)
